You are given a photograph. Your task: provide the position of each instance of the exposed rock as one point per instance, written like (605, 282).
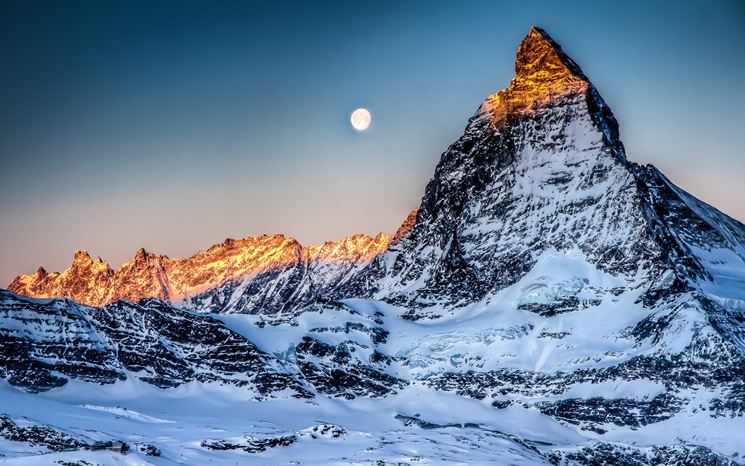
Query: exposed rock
(324, 431)
(147, 449)
(250, 444)
(44, 344)
(38, 435)
(623, 455)
(263, 274)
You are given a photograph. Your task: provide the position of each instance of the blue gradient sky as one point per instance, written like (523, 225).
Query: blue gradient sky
(175, 125)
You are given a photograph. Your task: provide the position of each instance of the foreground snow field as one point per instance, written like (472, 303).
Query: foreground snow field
(207, 423)
(416, 426)
(180, 420)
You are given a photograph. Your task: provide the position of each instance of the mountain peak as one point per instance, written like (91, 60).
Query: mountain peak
(82, 257)
(541, 59)
(405, 227)
(544, 76)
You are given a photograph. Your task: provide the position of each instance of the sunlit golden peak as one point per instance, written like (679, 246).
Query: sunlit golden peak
(82, 256)
(544, 76)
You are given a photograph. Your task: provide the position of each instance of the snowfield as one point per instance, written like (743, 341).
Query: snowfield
(458, 431)
(200, 423)
(179, 420)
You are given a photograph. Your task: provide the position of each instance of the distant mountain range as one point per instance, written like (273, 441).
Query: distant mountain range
(266, 274)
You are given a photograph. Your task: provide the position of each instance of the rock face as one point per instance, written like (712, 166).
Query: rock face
(263, 274)
(543, 275)
(296, 276)
(45, 343)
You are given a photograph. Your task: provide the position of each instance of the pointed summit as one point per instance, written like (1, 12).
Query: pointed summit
(82, 257)
(541, 59)
(141, 255)
(545, 76)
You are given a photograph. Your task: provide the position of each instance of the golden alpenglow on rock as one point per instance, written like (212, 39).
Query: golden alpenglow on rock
(544, 76)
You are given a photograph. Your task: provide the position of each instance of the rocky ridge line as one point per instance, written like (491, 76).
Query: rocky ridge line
(147, 275)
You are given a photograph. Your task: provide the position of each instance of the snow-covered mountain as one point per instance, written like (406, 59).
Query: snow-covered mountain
(541, 169)
(550, 302)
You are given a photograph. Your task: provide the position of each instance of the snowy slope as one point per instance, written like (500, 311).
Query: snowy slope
(493, 384)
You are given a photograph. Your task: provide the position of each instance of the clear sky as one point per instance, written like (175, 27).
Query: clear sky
(173, 125)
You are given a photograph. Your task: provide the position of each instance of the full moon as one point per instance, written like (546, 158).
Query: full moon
(361, 119)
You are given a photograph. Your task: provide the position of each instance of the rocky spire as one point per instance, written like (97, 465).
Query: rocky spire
(545, 76)
(82, 257)
(542, 61)
(405, 227)
(141, 255)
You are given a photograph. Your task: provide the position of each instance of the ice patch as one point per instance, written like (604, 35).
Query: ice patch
(639, 389)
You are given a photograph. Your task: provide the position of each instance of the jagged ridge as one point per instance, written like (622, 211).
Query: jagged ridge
(232, 263)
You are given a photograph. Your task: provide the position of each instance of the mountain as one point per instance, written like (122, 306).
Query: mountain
(267, 274)
(550, 302)
(540, 169)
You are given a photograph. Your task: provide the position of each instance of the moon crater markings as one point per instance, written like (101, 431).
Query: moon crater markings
(361, 119)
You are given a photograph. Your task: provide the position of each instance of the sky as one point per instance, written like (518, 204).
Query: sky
(174, 125)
